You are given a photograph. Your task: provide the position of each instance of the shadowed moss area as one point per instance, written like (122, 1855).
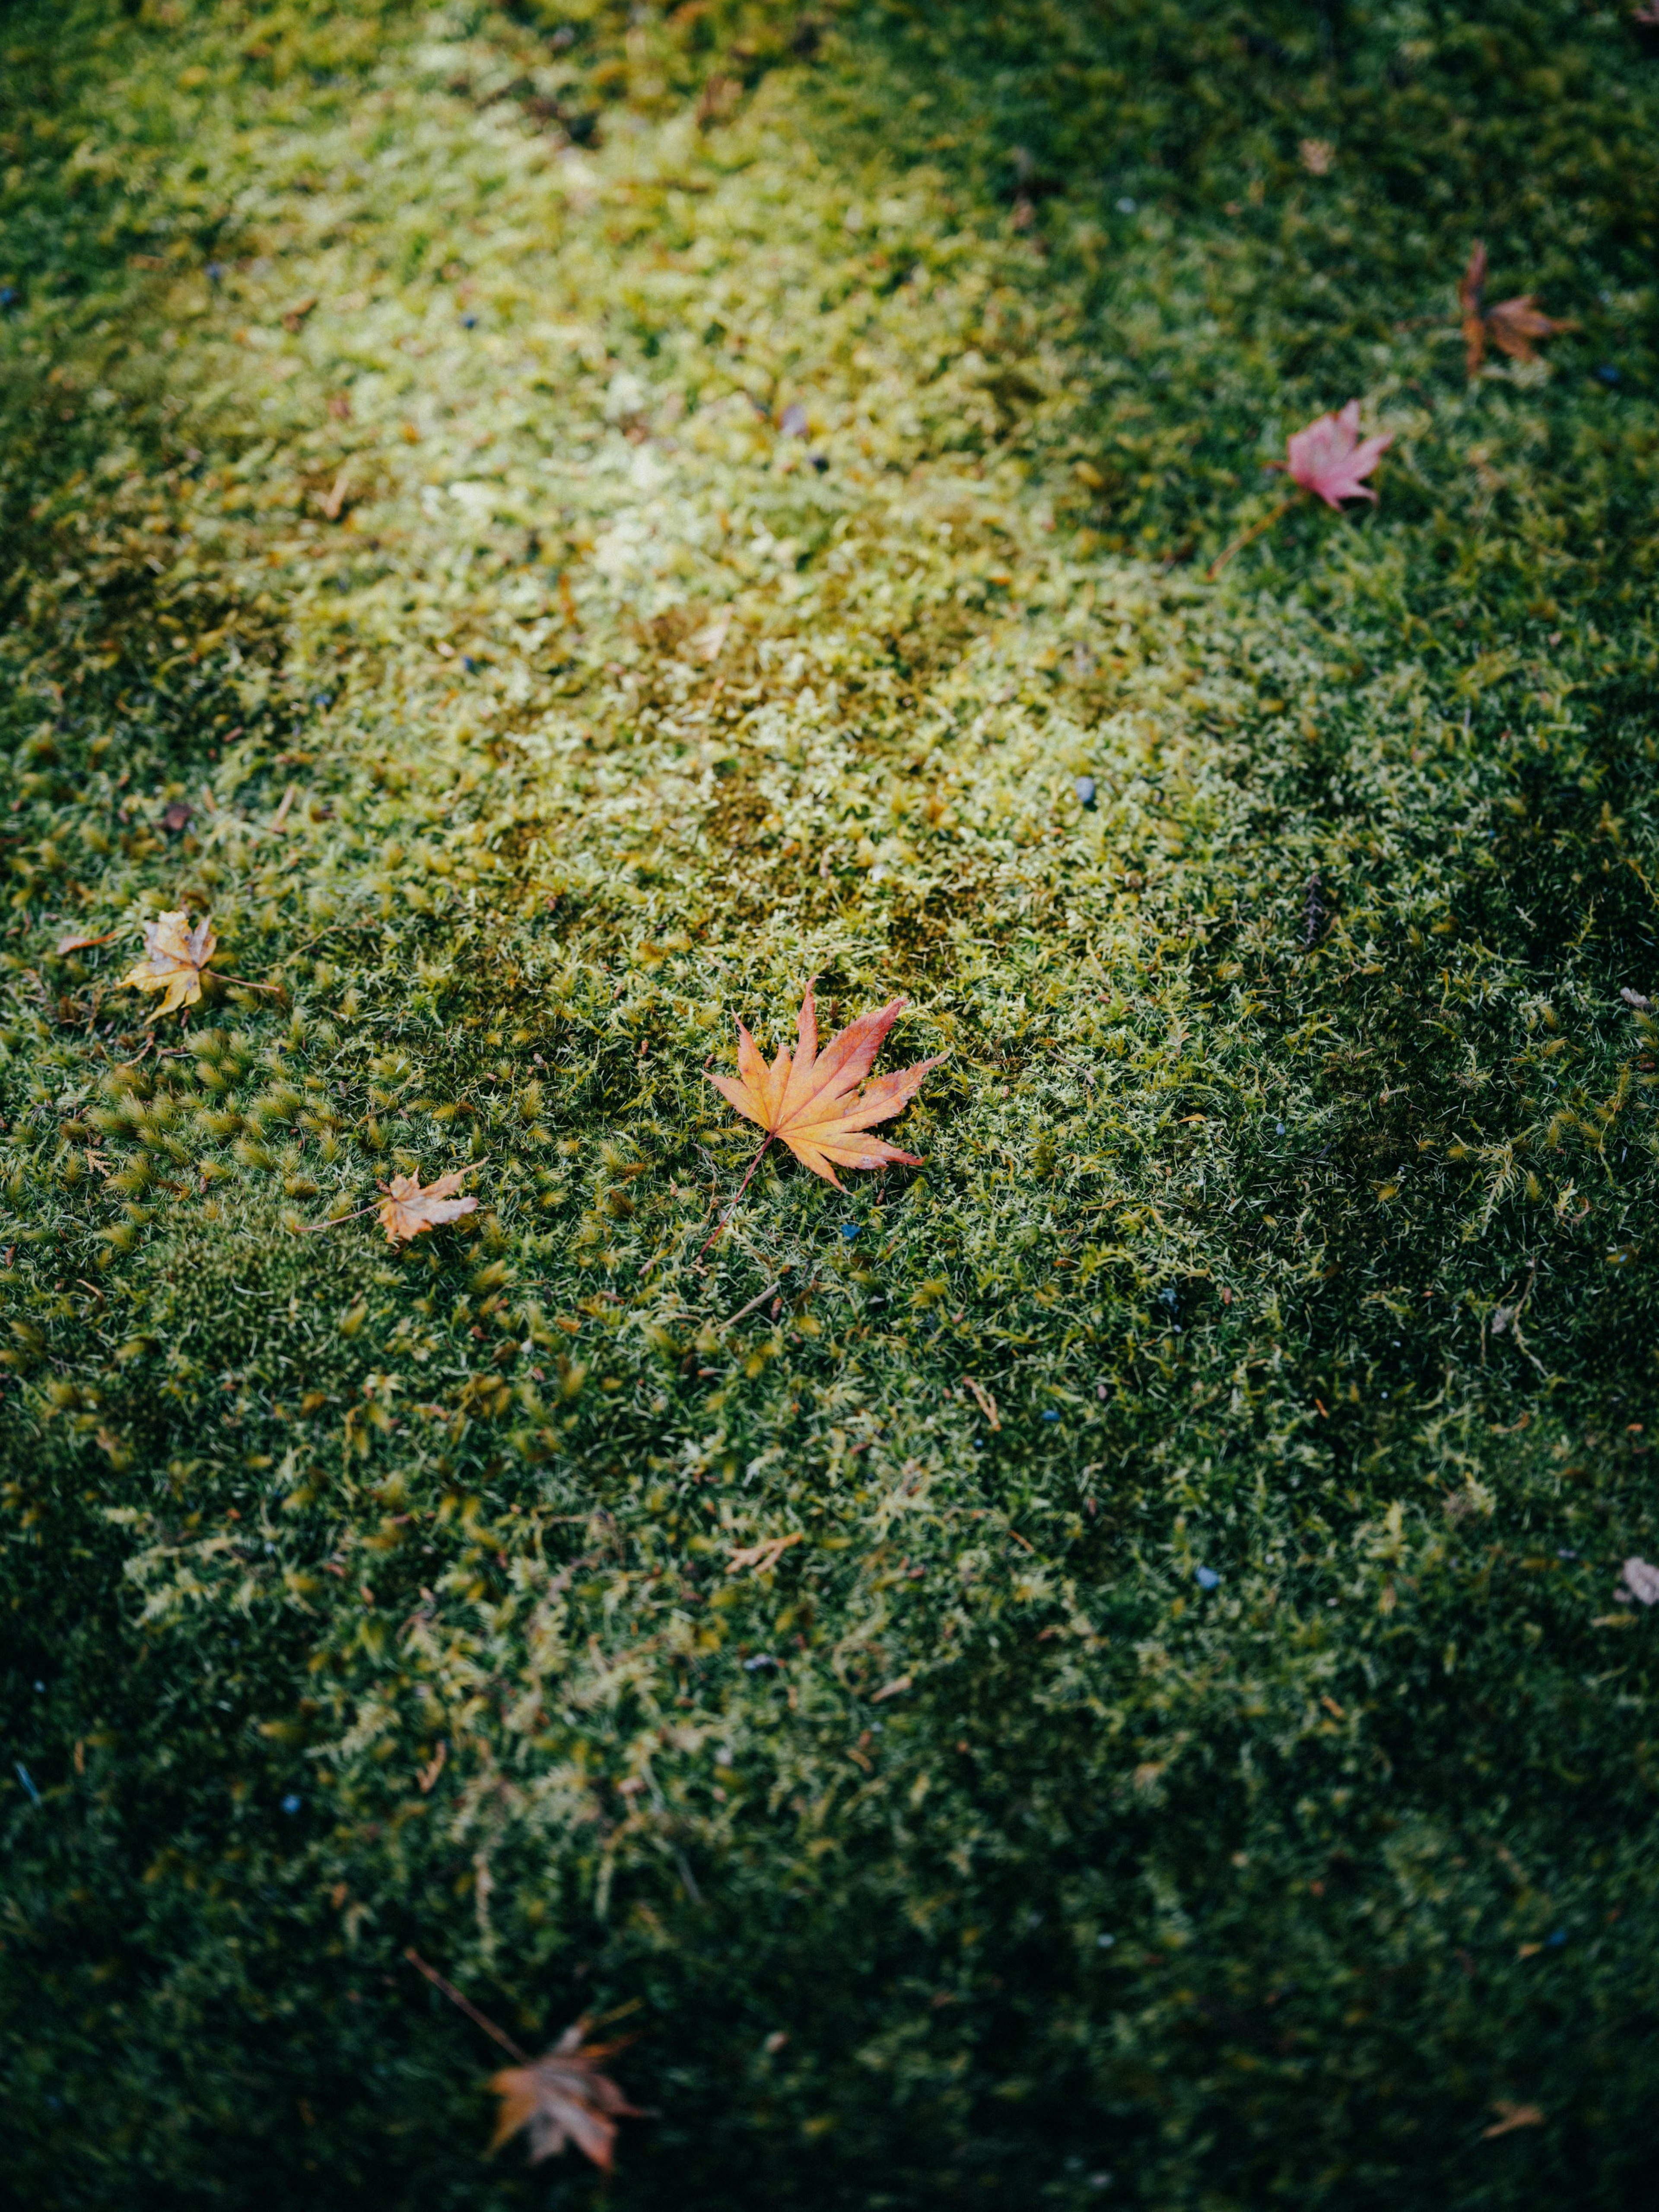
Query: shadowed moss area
(555, 528)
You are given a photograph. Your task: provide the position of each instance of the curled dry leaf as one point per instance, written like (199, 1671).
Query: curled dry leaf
(73, 943)
(563, 2097)
(807, 1098)
(406, 1209)
(175, 959)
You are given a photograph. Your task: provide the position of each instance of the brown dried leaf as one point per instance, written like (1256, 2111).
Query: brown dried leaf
(805, 1098)
(987, 1404)
(563, 2097)
(406, 1209)
(1515, 323)
(73, 943)
(1513, 326)
(1510, 2117)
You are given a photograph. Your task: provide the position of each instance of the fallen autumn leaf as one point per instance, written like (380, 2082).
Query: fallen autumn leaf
(1329, 457)
(407, 1210)
(563, 2097)
(1512, 326)
(805, 1098)
(175, 959)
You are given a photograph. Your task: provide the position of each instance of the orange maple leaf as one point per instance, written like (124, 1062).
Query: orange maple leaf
(406, 1209)
(175, 959)
(806, 1099)
(563, 2097)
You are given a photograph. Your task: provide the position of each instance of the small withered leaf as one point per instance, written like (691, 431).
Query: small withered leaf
(175, 958)
(563, 2097)
(811, 1100)
(1514, 325)
(407, 1209)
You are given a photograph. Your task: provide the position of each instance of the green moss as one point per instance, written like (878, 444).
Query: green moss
(1194, 1740)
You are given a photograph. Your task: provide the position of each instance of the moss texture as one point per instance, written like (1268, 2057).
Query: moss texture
(555, 528)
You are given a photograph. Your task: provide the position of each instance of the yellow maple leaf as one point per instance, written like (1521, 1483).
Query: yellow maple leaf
(175, 958)
(406, 1209)
(808, 1098)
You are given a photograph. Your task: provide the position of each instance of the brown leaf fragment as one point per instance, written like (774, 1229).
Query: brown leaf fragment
(762, 1557)
(333, 499)
(1510, 2117)
(1641, 1583)
(1472, 300)
(987, 1404)
(406, 1209)
(1515, 323)
(563, 2097)
(73, 943)
(175, 960)
(294, 319)
(807, 1098)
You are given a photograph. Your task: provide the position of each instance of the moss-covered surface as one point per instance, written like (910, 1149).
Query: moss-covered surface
(1193, 1756)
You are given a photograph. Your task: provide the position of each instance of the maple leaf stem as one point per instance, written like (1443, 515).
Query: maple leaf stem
(224, 976)
(1254, 531)
(481, 2020)
(312, 1228)
(732, 1208)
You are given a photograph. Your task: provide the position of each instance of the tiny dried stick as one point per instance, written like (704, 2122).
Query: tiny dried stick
(1254, 531)
(732, 1208)
(466, 2005)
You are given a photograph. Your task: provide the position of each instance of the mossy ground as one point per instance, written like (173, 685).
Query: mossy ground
(1224, 1778)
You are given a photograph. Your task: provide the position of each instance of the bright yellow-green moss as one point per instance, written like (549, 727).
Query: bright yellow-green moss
(556, 528)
